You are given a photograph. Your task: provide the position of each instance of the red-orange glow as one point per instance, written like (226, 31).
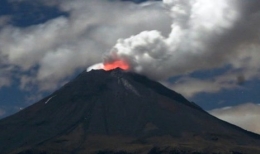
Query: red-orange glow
(116, 64)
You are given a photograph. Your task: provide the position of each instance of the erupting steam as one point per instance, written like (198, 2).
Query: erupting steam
(204, 35)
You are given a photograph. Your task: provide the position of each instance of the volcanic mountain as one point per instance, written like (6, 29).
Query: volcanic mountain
(119, 112)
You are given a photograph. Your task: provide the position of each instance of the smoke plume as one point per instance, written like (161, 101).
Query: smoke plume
(204, 35)
(169, 38)
(47, 54)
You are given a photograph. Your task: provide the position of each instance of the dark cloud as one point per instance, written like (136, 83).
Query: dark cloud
(240, 79)
(2, 112)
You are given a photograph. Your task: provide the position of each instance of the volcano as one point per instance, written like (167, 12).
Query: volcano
(119, 112)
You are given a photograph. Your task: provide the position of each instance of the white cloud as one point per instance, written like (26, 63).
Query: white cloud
(64, 44)
(191, 86)
(177, 37)
(197, 26)
(245, 115)
(205, 35)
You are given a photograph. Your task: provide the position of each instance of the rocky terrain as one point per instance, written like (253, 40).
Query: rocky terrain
(107, 112)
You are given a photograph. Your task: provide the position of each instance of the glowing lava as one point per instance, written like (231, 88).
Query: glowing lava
(116, 64)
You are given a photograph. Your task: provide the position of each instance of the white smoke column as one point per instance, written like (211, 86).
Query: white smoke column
(198, 26)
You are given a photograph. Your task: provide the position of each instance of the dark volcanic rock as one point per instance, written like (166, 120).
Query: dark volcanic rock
(119, 111)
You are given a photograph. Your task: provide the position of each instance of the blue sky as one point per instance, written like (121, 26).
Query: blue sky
(208, 54)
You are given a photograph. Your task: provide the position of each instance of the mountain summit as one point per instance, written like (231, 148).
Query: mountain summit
(121, 112)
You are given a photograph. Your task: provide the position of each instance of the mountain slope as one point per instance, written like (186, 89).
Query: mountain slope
(119, 110)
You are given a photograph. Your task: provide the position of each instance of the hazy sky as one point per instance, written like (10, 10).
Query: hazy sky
(206, 50)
